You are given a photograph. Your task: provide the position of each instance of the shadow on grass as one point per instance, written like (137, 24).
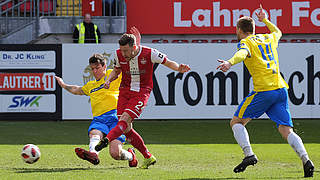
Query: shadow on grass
(53, 170)
(208, 178)
(281, 177)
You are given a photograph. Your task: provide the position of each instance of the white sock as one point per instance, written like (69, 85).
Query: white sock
(297, 145)
(94, 140)
(126, 155)
(241, 135)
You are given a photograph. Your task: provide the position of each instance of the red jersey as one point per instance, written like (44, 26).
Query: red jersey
(137, 73)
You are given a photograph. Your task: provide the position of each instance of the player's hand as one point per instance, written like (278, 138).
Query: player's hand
(224, 66)
(183, 68)
(60, 81)
(261, 15)
(136, 33)
(107, 84)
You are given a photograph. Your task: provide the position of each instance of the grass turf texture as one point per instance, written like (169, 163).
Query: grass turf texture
(184, 149)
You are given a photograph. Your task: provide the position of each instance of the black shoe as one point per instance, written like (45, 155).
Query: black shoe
(102, 144)
(249, 160)
(308, 168)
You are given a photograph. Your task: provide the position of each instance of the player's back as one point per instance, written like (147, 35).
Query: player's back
(262, 61)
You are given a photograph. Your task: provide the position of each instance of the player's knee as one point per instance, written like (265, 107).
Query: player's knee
(95, 132)
(234, 121)
(115, 154)
(285, 131)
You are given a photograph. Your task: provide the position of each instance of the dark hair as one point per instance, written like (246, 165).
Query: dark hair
(97, 58)
(246, 24)
(129, 39)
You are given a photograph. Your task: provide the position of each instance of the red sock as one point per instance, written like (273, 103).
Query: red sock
(117, 131)
(137, 142)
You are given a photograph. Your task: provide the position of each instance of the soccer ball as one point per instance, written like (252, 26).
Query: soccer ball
(30, 153)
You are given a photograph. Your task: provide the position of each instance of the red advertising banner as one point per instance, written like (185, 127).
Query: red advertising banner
(92, 7)
(27, 82)
(220, 17)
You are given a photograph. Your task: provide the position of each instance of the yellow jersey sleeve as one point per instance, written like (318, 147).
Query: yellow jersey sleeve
(243, 44)
(239, 56)
(85, 89)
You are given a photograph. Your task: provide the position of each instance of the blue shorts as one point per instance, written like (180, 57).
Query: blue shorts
(274, 103)
(105, 123)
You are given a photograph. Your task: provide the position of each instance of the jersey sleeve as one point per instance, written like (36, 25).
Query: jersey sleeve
(243, 44)
(275, 40)
(116, 63)
(158, 57)
(85, 89)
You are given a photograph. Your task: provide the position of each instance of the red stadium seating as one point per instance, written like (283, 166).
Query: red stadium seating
(315, 40)
(46, 6)
(6, 6)
(234, 41)
(28, 8)
(180, 41)
(199, 41)
(283, 40)
(160, 41)
(298, 40)
(219, 41)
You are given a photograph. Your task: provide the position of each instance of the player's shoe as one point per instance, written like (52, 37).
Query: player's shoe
(87, 155)
(148, 162)
(102, 144)
(249, 160)
(134, 161)
(308, 168)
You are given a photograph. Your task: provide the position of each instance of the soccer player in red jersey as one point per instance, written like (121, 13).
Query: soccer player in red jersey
(136, 64)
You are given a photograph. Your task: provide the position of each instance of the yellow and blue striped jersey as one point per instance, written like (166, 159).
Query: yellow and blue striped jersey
(102, 100)
(262, 61)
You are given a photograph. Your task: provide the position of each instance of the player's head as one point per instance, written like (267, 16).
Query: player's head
(245, 27)
(98, 65)
(87, 18)
(128, 46)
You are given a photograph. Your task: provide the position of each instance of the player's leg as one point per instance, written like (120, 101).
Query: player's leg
(121, 127)
(133, 137)
(242, 137)
(121, 124)
(280, 114)
(91, 155)
(118, 153)
(253, 106)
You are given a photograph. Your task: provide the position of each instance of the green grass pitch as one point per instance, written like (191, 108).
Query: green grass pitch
(185, 150)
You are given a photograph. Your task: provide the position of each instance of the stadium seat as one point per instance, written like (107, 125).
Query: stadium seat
(234, 41)
(298, 40)
(199, 41)
(160, 41)
(315, 40)
(6, 6)
(283, 40)
(46, 6)
(28, 8)
(219, 41)
(180, 41)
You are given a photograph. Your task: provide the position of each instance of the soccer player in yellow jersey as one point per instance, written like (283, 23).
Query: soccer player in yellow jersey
(104, 110)
(270, 96)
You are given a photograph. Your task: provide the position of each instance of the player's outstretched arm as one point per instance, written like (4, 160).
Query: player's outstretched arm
(112, 76)
(136, 33)
(273, 28)
(182, 68)
(74, 89)
(238, 57)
